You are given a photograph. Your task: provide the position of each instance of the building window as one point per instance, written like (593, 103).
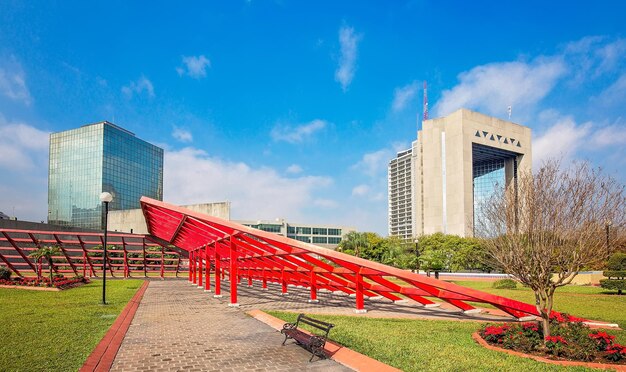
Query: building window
(320, 240)
(303, 230)
(320, 231)
(336, 232)
(334, 240)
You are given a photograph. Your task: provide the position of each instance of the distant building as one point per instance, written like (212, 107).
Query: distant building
(455, 164)
(400, 185)
(94, 158)
(133, 220)
(327, 236)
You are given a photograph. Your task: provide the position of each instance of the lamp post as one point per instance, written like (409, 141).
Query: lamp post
(417, 256)
(105, 198)
(608, 247)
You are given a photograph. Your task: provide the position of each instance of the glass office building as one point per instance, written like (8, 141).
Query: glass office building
(94, 158)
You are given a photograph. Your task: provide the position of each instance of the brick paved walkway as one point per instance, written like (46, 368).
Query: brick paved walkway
(180, 327)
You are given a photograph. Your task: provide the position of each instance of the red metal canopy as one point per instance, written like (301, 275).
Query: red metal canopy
(226, 247)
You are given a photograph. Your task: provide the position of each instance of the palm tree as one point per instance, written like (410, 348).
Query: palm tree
(47, 253)
(354, 241)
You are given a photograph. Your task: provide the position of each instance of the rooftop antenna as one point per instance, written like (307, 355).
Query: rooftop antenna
(509, 110)
(425, 101)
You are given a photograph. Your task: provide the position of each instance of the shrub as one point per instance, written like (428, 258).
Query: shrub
(5, 273)
(616, 352)
(570, 339)
(617, 262)
(616, 268)
(603, 340)
(556, 345)
(505, 284)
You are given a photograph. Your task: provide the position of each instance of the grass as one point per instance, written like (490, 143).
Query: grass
(413, 345)
(56, 331)
(582, 301)
(420, 345)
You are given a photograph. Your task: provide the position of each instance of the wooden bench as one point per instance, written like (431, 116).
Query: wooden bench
(312, 342)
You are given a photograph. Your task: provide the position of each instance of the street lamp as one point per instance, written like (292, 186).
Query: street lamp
(608, 247)
(106, 198)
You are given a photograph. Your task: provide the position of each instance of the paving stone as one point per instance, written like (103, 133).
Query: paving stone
(180, 327)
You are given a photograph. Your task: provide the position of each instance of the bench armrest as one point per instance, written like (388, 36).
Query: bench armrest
(288, 326)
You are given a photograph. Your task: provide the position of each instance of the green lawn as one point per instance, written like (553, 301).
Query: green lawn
(415, 345)
(582, 301)
(56, 331)
(420, 345)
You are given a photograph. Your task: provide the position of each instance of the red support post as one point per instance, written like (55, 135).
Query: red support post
(207, 271)
(84, 264)
(126, 268)
(313, 285)
(199, 269)
(233, 272)
(162, 261)
(359, 294)
(223, 274)
(218, 277)
(145, 264)
(264, 281)
(249, 278)
(190, 270)
(283, 283)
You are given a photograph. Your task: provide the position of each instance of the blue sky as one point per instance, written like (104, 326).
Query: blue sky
(292, 109)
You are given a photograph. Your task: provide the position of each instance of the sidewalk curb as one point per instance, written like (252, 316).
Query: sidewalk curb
(102, 357)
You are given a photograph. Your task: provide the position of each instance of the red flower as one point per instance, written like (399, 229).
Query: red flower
(556, 340)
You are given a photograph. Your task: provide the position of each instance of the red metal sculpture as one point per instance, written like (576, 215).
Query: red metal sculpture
(241, 251)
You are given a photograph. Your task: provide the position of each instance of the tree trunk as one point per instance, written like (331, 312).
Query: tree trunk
(436, 274)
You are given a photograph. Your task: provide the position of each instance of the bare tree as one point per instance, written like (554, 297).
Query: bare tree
(551, 226)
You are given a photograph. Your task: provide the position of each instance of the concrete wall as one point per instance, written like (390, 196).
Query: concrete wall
(132, 220)
(445, 151)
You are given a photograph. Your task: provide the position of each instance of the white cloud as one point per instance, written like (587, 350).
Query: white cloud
(402, 96)
(348, 42)
(593, 56)
(562, 138)
(491, 88)
(191, 176)
(326, 203)
(24, 169)
(374, 163)
(360, 190)
(13, 81)
(138, 87)
(297, 133)
(612, 135)
(194, 67)
(294, 169)
(182, 135)
(22, 147)
(615, 94)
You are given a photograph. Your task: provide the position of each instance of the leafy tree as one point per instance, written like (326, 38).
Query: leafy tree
(46, 252)
(551, 226)
(354, 243)
(616, 272)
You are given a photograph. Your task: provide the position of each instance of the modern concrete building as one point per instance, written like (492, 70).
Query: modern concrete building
(456, 163)
(94, 158)
(326, 236)
(133, 220)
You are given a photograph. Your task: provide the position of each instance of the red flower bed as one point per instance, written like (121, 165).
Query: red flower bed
(60, 282)
(570, 339)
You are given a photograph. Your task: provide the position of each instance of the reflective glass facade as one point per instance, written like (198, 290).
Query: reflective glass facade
(489, 174)
(94, 158)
